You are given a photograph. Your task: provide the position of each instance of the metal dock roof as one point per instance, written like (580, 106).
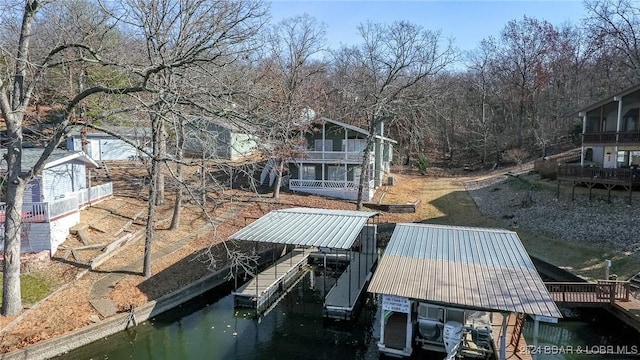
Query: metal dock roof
(336, 229)
(480, 268)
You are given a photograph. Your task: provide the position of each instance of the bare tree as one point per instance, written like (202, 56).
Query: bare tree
(179, 38)
(289, 69)
(392, 59)
(615, 28)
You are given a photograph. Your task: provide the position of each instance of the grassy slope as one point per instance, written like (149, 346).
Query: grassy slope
(445, 201)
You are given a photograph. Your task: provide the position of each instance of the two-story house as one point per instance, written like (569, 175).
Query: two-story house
(610, 150)
(332, 163)
(611, 132)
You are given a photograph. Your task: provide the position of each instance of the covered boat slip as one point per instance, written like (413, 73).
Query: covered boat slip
(342, 300)
(337, 232)
(265, 289)
(442, 276)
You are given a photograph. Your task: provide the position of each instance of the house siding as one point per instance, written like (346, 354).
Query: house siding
(62, 179)
(241, 144)
(33, 191)
(59, 229)
(104, 148)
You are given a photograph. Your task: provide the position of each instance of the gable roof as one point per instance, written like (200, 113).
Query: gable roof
(236, 126)
(124, 131)
(609, 99)
(354, 128)
(329, 228)
(481, 268)
(31, 155)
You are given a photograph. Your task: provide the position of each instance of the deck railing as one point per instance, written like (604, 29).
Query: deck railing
(624, 176)
(604, 291)
(611, 137)
(38, 212)
(326, 184)
(350, 156)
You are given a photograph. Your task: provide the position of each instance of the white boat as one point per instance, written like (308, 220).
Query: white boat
(460, 333)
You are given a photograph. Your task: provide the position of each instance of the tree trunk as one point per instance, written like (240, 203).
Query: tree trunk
(151, 207)
(11, 300)
(162, 153)
(177, 207)
(278, 182)
(364, 174)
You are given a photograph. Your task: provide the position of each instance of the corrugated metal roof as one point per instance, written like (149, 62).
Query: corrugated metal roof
(475, 267)
(336, 229)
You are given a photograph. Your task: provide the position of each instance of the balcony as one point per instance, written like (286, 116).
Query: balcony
(611, 137)
(43, 212)
(297, 184)
(332, 156)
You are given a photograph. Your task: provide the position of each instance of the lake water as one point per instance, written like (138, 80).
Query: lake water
(209, 328)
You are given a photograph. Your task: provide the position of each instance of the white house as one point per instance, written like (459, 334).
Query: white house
(219, 138)
(332, 163)
(611, 130)
(53, 199)
(101, 146)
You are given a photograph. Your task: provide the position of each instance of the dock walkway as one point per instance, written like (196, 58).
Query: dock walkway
(514, 348)
(265, 288)
(342, 300)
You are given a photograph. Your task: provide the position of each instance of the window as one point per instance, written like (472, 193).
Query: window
(326, 145)
(308, 172)
(335, 173)
(354, 145)
(630, 120)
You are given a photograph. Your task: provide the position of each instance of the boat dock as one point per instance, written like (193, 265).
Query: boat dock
(269, 285)
(462, 287)
(342, 300)
(341, 235)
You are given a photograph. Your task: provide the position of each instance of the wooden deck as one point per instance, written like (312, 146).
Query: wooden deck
(266, 288)
(514, 346)
(586, 293)
(592, 176)
(615, 296)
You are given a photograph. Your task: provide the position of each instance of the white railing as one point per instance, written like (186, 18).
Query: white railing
(45, 211)
(334, 155)
(326, 184)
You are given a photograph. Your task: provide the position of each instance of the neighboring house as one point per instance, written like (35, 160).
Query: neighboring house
(220, 138)
(52, 199)
(332, 163)
(610, 151)
(611, 130)
(101, 146)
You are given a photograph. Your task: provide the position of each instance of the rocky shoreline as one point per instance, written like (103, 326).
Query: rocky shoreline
(598, 223)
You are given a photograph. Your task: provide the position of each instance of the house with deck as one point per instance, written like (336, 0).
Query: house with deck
(218, 138)
(114, 143)
(610, 149)
(53, 198)
(331, 164)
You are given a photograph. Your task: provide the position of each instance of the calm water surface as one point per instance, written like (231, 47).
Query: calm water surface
(209, 328)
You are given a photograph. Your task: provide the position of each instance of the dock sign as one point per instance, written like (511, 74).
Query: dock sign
(547, 319)
(396, 303)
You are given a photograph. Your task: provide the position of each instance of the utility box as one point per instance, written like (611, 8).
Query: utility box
(390, 181)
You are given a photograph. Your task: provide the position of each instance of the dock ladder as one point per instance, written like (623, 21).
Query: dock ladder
(518, 327)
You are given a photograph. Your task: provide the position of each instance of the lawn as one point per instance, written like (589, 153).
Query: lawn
(33, 288)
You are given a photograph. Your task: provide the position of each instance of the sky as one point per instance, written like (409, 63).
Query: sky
(467, 22)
